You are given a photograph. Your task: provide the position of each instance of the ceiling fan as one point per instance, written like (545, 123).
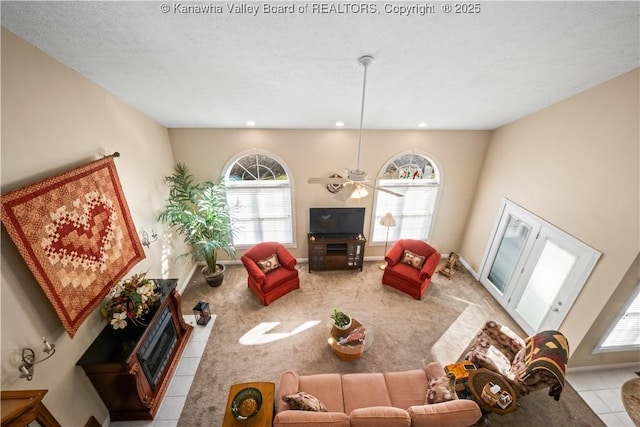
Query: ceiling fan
(353, 183)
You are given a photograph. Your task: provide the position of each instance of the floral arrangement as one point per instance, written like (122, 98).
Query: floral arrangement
(130, 299)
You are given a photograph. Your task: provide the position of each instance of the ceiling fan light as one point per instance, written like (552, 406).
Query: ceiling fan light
(359, 193)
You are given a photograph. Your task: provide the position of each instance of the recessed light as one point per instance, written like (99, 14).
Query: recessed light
(422, 125)
(251, 123)
(339, 124)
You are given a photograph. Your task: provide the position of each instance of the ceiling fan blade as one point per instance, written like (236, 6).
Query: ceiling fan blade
(328, 180)
(346, 192)
(375, 187)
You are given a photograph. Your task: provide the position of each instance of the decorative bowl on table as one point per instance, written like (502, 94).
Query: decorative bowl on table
(246, 403)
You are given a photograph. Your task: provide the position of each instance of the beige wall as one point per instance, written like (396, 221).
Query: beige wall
(54, 119)
(312, 153)
(574, 164)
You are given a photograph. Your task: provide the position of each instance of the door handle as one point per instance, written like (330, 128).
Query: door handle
(555, 309)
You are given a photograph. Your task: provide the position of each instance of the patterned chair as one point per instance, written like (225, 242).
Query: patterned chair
(528, 364)
(410, 265)
(272, 271)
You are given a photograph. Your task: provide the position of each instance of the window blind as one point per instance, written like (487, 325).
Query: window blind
(413, 212)
(261, 211)
(626, 332)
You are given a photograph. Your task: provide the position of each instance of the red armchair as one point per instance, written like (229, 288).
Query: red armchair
(269, 277)
(405, 276)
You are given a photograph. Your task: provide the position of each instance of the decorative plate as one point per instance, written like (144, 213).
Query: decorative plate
(246, 403)
(335, 188)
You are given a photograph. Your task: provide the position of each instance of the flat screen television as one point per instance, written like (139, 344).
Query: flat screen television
(336, 221)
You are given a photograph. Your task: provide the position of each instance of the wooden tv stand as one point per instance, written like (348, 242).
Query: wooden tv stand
(330, 252)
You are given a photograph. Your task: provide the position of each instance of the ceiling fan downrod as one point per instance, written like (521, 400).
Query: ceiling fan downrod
(365, 61)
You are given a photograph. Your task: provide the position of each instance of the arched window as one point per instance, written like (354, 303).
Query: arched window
(259, 193)
(418, 178)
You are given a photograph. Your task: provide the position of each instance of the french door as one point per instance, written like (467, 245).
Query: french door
(533, 269)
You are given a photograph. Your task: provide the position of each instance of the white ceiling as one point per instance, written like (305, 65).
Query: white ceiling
(300, 70)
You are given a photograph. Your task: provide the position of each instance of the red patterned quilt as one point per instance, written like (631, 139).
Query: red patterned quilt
(75, 232)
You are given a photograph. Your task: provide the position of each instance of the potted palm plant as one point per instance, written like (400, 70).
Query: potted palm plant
(200, 214)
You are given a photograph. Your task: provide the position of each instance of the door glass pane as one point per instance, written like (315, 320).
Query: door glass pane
(513, 240)
(551, 271)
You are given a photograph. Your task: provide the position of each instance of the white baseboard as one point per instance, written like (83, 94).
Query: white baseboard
(469, 269)
(187, 279)
(630, 365)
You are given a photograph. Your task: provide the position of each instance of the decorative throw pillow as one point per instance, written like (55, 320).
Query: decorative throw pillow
(442, 389)
(412, 259)
(268, 264)
(304, 402)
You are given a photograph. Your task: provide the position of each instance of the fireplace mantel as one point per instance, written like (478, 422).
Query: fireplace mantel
(115, 361)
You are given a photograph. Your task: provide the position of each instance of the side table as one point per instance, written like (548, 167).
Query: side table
(264, 418)
(461, 370)
(481, 377)
(349, 352)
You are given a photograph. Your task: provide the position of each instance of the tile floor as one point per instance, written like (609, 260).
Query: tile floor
(601, 390)
(173, 402)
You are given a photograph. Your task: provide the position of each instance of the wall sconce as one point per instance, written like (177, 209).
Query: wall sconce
(29, 359)
(146, 241)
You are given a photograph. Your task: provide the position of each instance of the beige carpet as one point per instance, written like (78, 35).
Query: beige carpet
(407, 334)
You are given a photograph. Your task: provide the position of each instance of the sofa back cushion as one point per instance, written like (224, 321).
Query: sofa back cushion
(363, 390)
(406, 388)
(326, 387)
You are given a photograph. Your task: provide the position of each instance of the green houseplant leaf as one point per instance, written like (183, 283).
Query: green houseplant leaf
(200, 214)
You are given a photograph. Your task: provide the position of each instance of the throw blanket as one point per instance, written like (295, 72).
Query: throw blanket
(546, 358)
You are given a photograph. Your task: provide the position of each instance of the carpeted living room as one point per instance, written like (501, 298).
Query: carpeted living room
(407, 334)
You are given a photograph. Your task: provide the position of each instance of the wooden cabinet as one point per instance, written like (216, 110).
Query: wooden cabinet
(335, 252)
(131, 368)
(25, 407)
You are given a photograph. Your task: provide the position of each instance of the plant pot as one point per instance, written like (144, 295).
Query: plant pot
(345, 327)
(214, 280)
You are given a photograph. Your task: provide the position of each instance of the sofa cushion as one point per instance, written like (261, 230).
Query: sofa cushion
(326, 387)
(441, 389)
(304, 402)
(454, 413)
(311, 419)
(363, 390)
(406, 388)
(380, 416)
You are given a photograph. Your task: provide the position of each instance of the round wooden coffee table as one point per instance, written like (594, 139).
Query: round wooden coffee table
(481, 377)
(349, 352)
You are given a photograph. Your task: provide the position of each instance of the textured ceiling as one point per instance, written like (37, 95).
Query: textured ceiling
(300, 70)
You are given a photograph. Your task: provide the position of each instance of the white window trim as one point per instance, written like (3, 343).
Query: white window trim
(599, 348)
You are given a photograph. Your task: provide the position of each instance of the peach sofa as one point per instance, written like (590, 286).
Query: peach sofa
(387, 399)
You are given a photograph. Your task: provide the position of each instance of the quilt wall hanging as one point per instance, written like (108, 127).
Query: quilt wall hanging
(75, 232)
